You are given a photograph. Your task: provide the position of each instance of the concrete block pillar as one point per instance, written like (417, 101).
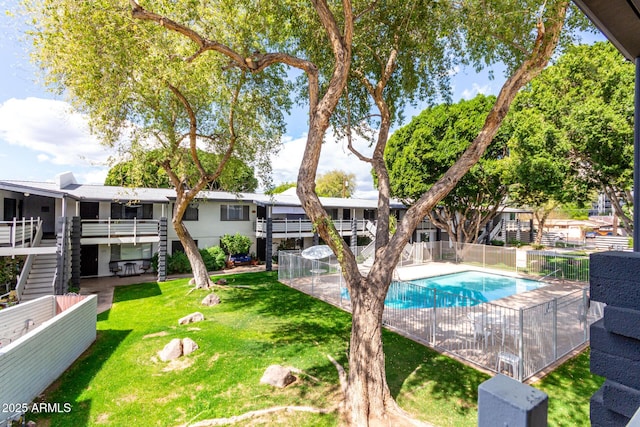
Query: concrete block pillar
(76, 234)
(269, 244)
(503, 401)
(615, 339)
(354, 235)
(531, 233)
(162, 250)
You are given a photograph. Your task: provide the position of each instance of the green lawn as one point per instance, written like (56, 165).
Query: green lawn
(120, 381)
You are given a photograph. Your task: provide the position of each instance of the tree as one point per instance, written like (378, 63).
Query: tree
(573, 131)
(335, 183)
(540, 167)
(237, 176)
(321, 41)
(141, 95)
(419, 153)
(281, 188)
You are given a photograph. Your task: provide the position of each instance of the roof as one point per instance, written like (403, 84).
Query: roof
(619, 21)
(88, 192)
(97, 193)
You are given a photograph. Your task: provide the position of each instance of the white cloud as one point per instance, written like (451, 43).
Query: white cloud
(51, 129)
(475, 90)
(93, 176)
(334, 155)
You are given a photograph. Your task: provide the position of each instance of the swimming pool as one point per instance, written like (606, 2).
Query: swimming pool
(464, 289)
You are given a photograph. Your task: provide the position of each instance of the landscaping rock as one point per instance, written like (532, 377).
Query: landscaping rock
(188, 346)
(171, 351)
(277, 376)
(211, 299)
(221, 282)
(191, 318)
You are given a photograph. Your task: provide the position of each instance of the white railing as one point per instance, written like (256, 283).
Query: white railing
(518, 341)
(26, 268)
(120, 227)
(19, 232)
(296, 227)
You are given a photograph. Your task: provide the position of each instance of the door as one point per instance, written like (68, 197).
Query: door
(88, 260)
(89, 210)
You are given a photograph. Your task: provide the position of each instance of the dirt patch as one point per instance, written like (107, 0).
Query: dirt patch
(157, 334)
(178, 365)
(103, 418)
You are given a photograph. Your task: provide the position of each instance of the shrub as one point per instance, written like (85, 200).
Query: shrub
(207, 259)
(537, 246)
(516, 243)
(236, 244)
(497, 243)
(218, 256)
(178, 263)
(154, 261)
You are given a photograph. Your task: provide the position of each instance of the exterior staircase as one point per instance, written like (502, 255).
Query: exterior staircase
(41, 276)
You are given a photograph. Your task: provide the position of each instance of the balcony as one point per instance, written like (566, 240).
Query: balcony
(18, 233)
(298, 228)
(290, 228)
(120, 231)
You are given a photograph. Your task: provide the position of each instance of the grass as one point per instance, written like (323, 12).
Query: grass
(120, 381)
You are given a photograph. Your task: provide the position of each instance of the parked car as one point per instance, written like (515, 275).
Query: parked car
(590, 234)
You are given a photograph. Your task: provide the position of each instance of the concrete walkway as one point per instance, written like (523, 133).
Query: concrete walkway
(104, 286)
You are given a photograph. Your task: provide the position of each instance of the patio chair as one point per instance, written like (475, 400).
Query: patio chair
(480, 328)
(146, 265)
(510, 362)
(114, 267)
(509, 328)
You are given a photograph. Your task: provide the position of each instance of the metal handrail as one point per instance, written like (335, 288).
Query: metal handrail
(553, 272)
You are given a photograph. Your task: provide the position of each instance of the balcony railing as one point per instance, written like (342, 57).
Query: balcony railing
(18, 232)
(303, 226)
(295, 227)
(113, 228)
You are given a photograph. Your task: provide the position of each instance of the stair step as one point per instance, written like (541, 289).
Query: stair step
(43, 275)
(45, 290)
(40, 285)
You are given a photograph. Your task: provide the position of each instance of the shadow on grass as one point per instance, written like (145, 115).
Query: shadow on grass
(75, 380)
(410, 366)
(138, 291)
(570, 388)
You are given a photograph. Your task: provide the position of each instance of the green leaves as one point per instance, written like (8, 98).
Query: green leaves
(572, 128)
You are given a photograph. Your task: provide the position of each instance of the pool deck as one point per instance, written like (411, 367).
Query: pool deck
(454, 331)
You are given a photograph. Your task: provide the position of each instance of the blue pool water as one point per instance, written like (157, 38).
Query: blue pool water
(463, 289)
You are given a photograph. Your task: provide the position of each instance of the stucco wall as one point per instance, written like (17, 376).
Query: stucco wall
(33, 362)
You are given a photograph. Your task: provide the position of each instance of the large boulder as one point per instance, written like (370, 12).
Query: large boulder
(277, 376)
(188, 346)
(211, 299)
(191, 318)
(171, 351)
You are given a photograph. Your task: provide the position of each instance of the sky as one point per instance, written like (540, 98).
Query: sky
(40, 135)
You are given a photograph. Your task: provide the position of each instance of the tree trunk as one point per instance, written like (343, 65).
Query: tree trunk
(368, 400)
(200, 274)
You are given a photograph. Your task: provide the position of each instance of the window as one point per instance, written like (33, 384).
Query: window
(234, 213)
(191, 213)
(128, 211)
(346, 214)
(128, 251)
(176, 246)
(10, 209)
